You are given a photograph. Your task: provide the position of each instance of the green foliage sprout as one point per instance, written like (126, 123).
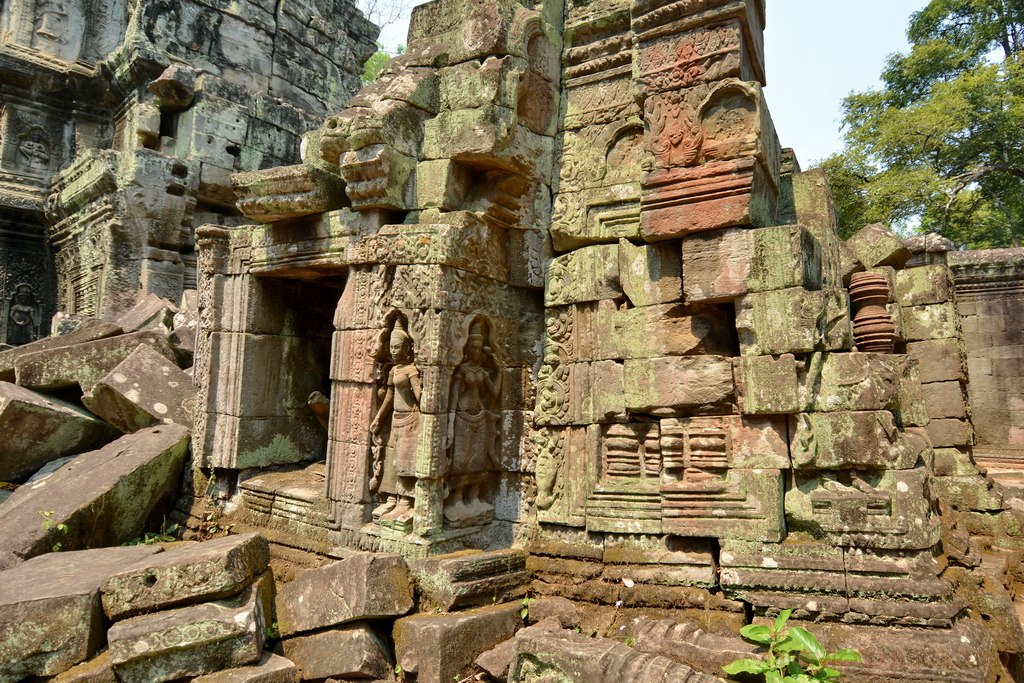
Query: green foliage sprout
(794, 655)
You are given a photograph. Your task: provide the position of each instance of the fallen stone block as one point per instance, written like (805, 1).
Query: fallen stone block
(497, 661)
(352, 651)
(471, 577)
(145, 389)
(84, 364)
(270, 669)
(193, 640)
(569, 657)
(101, 498)
(186, 574)
(90, 330)
(50, 614)
(38, 429)
(97, 670)
(364, 586)
(151, 313)
(439, 647)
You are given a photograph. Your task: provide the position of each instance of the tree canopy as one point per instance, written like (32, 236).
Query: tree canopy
(940, 146)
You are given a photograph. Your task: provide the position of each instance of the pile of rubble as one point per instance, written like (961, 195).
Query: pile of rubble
(211, 610)
(124, 388)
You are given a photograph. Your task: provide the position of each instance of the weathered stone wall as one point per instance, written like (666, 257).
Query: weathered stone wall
(138, 113)
(990, 297)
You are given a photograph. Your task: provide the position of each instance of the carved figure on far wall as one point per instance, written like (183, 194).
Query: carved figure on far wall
(22, 325)
(33, 151)
(473, 431)
(394, 467)
(59, 28)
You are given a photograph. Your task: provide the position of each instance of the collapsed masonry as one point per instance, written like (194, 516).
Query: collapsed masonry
(551, 289)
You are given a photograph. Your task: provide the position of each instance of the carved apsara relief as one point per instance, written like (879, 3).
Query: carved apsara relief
(395, 432)
(473, 435)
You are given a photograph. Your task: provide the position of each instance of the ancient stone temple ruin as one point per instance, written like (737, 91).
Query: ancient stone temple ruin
(545, 313)
(121, 123)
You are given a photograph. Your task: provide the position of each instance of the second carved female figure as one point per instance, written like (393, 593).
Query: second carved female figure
(474, 427)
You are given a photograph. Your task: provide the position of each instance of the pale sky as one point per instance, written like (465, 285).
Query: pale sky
(816, 52)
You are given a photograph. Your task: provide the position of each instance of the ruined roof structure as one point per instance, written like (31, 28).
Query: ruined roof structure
(543, 327)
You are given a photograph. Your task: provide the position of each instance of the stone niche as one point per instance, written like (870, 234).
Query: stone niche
(551, 283)
(120, 124)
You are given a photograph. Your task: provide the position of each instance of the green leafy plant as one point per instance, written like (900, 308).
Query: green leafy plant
(525, 611)
(794, 655)
(48, 524)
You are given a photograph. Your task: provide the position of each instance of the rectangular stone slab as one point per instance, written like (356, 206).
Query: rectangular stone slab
(677, 381)
(193, 640)
(84, 364)
(38, 429)
(270, 669)
(102, 498)
(364, 586)
(352, 651)
(437, 647)
(470, 577)
(146, 388)
(91, 331)
(186, 574)
(50, 614)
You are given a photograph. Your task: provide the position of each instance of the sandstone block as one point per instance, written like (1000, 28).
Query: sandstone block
(50, 615)
(351, 651)
(84, 364)
(650, 274)
(364, 586)
(38, 429)
(854, 381)
(891, 510)
(101, 498)
(193, 640)
(470, 577)
(570, 657)
(150, 313)
(186, 574)
(853, 440)
(497, 660)
(780, 321)
(939, 360)
(658, 384)
(270, 669)
(90, 330)
(437, 648)
(950, 432)
(741, 504)
(946, 400)
(660, 330)
(725, 264)
(587, 274)
(875, 245)
(933, 321)
(924, 285)
(146, 388)
(96, 670)
(767, 385)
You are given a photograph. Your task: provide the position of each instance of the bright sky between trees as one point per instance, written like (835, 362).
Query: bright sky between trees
(817, 51)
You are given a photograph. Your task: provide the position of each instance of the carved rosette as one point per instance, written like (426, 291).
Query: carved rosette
(873, 329)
